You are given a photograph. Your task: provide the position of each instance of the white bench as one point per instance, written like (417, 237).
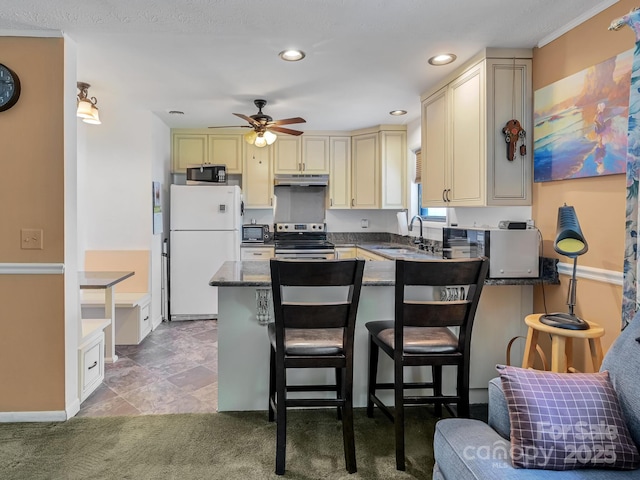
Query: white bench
(132, 297)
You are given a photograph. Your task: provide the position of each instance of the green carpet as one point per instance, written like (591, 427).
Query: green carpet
(237, 445)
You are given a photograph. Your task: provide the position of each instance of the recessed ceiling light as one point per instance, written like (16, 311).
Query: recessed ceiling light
(443, 59)
(291, 55)
(397, 113)
(175, 112)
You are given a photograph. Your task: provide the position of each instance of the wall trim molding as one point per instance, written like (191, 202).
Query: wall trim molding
(31, 268)
(591, 273)
(575, 22)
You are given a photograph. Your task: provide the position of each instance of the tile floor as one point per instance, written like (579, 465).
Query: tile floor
(173, 370)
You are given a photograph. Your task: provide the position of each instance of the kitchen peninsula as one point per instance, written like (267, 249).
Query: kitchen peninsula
(243, 346)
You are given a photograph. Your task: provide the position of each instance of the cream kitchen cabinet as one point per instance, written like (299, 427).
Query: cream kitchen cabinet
(340, 172)
(226, 150)
(257, 177)
(287, 154)
(188, 149)
(257, 253)
(195, 147)
(368, 256)
(463, 148)
(378, 171)
(315, 154)
(302, 155)
(346, 252)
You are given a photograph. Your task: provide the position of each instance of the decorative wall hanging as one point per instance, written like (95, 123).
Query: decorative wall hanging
(580, 122)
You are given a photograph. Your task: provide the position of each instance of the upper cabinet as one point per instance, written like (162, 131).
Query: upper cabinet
(193, 147)
(307, 154)
(340, 172)
(378, 170)
(464, 153)
(257, 179)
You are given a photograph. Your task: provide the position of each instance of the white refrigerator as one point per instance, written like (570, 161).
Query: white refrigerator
(205, 232)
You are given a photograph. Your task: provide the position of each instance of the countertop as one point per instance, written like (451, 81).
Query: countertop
(376, 273)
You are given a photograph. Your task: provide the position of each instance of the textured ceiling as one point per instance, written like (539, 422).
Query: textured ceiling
(210, 58)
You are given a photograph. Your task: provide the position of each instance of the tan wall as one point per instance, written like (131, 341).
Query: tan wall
(32, 370)
(599, 201)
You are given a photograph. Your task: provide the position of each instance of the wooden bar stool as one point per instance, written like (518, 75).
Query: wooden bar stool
(561, 344)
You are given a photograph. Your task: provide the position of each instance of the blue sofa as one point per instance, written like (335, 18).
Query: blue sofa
(471, 449)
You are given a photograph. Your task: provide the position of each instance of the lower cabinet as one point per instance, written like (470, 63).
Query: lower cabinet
(256, 253)
(368, 256)
(91, 357)
(345, 252)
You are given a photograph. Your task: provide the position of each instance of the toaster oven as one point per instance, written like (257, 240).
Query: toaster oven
(254, 233)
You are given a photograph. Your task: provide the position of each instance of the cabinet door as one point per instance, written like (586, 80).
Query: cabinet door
(315, 155)
(226, 150)
(257, 177)
(287, 154)
(509, 95)
(365, 182)
(393, 166)
(188, 149)
(434, 149)
(345, 252)
(468, 159)
(340, 173)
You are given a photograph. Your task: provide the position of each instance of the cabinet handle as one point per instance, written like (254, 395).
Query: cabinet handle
(304, 167)
(331, 202)
(448, 195)
(271, 201)
(443, 195)
(95, 364)
(146, 318)
(352, 202)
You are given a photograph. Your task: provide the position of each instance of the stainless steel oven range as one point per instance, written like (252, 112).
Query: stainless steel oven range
(302, 241)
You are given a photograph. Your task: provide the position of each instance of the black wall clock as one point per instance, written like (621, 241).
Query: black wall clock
(9, 88)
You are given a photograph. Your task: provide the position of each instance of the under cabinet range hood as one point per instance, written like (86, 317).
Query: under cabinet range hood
(299, 180)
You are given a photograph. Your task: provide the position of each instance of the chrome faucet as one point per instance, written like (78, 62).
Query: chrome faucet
(420, 241)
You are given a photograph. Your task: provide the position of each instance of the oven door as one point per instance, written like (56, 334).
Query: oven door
(305, 254)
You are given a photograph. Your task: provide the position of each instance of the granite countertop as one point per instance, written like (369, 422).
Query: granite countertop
(382, 274)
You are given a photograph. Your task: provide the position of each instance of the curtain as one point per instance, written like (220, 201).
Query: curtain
(630, 299)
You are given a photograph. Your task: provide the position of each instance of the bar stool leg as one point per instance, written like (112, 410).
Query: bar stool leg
(568, 353)
(596, 353)
(530, 348)
(558, 354)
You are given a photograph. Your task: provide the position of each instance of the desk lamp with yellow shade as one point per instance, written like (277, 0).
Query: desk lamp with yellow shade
(571, 243)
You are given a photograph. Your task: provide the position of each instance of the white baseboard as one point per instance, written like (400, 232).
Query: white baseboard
(53, 416)
(156, 322)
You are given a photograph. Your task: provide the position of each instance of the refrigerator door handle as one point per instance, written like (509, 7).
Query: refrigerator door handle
(242, 208)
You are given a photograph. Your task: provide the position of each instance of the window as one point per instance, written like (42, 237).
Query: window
(428, 213)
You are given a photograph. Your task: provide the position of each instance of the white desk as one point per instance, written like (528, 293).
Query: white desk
(106, 281)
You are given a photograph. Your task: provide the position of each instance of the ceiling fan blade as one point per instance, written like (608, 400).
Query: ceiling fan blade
(284, 130)
(288, 121)
(234, 126)
(248, 119)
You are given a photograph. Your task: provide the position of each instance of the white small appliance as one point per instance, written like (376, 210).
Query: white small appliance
(206, 222)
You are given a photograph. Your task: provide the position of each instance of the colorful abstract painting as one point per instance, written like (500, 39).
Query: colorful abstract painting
(580, 122)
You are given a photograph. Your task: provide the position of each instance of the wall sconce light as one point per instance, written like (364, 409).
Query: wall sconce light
(87, 106)
(260, 139)
(571, 243)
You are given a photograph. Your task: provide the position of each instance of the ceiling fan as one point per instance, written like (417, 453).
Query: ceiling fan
(264, 126)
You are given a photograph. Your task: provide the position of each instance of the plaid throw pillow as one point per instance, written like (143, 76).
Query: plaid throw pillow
(564, 421)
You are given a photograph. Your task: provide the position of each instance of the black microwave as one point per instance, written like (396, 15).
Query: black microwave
(206, 174)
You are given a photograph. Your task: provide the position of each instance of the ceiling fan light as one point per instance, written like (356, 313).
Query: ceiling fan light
(250, 137)
(270, 137)
(260, 141)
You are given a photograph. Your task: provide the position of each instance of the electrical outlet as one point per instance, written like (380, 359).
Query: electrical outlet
(31, 239)
(364, 223)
